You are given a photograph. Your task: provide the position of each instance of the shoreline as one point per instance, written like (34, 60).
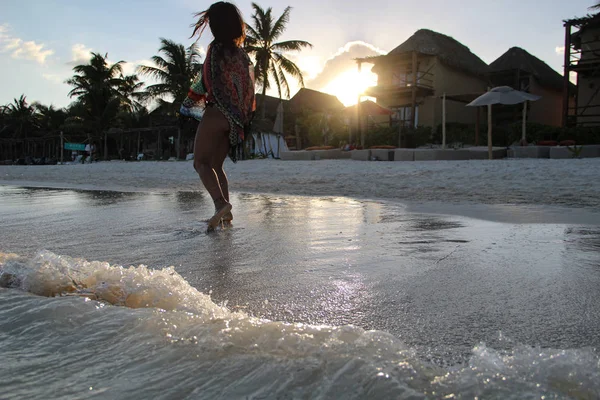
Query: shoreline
(497, 213)
(517, 191)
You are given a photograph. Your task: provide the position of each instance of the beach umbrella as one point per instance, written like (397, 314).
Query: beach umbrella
(503, 95)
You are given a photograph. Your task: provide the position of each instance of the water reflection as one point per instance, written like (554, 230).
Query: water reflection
(191, 201)
(583, 238)
(583, 244)
(433, 223)
(432, 278)
(102, 199)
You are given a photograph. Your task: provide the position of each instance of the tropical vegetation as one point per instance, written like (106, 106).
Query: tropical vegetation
(116, 110)
(271, 63)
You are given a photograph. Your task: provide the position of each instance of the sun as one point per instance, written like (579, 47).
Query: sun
(349, 84)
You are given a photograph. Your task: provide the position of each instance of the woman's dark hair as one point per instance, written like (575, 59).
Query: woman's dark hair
(225, 21)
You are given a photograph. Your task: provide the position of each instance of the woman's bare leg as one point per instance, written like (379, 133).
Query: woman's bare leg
(212, 130)
(223, 182)
(219, 156)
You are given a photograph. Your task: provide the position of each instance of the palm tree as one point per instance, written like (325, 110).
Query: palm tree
(174, 71)
(271, 63)
(131, 93)
(98, 86)
(50, 118)
(3, 120)
(21, 116)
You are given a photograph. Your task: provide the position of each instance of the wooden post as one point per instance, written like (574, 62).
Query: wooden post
(349, 122)
(414, 90)
(158, 145)
(444, 121)
(105, 145)
(524, 129)
(477, 126)
(567, 70)
(298, 141)
(121, 145)
(490, 150)
(517, 87)
(399, 134)
(359, 126)
(62, 146)
(178, 144)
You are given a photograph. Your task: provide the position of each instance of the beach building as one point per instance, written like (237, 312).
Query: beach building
(522, 71)
(413, 78)
(311, 103)
(582, 57)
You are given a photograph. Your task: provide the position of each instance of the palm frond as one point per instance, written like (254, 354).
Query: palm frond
(160, 62)
(159, 89)
(270, 63)
(280, 24)
(276, 77)
(152, 72)
(291, 45)
(258, 17)
(116, 69)
(290, 68)
(284, 82)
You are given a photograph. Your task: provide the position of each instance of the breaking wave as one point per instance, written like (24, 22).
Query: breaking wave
(73, 328)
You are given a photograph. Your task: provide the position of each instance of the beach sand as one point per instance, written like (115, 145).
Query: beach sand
(571, 183)
(324, 293)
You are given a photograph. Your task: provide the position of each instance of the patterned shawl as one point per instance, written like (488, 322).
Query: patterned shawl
(227, 81)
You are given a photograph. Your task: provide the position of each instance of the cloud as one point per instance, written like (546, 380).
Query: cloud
(80, 54)
(4, 31)
(341, 62)
(560, 49)
(20, 49)
(359, 46)
(130, 68)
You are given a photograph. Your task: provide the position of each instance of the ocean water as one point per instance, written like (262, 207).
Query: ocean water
(301, 298)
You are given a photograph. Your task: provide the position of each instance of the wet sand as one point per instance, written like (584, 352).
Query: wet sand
(565, 183)
(440, 283)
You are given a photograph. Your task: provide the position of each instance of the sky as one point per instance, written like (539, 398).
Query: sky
(41, 40)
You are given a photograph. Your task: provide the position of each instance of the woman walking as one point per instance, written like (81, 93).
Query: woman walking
(225, 89)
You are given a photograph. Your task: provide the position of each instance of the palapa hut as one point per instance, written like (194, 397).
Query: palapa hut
(413, 77)
(522, 71)
(270, 104)
(310, 104)
(308, 100)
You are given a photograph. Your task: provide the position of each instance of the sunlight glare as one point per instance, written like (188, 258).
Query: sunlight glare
(347, 85)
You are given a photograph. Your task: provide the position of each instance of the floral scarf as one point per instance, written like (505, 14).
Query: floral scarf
(227, 82)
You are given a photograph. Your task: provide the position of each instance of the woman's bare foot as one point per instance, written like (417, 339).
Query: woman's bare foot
(228, 217)
(213, 222)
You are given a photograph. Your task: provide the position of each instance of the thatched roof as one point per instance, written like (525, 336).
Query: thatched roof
(313, 100)
(589, 21)
(517, 58)
(450, 51)
(270, 103)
